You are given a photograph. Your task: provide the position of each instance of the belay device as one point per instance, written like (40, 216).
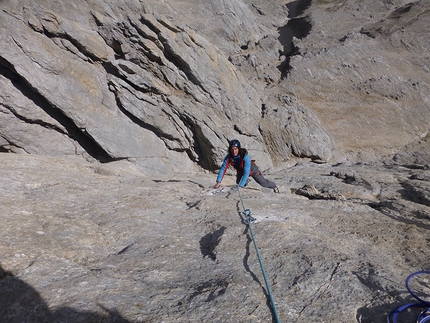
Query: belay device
(424, 316)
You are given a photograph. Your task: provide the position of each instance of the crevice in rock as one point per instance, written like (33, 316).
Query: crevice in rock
(36, 122)
(125, 249)
(298, 277)
(298, 7)
(136, 120)
(348, 178)
(85, 141)
(263, 110)
(213, 288)
(415, 194)
(191, 205)
(374, 29)
(171, 55)
(202, 146)
(168, 181)
(198, 184)
(209, 242)
(9, 147)
(113, 70)
(74, 42)
(398, 212)
(298, 27)
(108, 34)
(180, 63)
(312, 193)
(321, 290)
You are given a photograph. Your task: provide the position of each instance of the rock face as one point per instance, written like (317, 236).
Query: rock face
(86, 242)
(113, 115)
(167, 84)
(370, 74)
(151, 83)
(133, 86)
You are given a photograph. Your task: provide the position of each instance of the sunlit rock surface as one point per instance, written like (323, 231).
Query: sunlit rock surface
(114, 116)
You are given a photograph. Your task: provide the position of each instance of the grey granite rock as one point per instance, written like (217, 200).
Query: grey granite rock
(88, 241)
(114, 114)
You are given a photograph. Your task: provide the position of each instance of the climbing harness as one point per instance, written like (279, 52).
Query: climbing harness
(250, 219)
(424, 316)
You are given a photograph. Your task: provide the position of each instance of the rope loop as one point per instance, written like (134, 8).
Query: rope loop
(424, 317)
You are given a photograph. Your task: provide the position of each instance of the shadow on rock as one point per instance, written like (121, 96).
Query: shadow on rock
(20, 303)
(415, 194)
(378, 314)
(298, 27)
(210, 241)
(368, 276)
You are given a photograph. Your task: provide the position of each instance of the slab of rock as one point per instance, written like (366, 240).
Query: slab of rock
(87, 241)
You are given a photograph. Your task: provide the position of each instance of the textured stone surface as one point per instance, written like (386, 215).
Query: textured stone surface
(170, 83)
(85, 242)
(134, 86)
(114, 114)
(370, 77)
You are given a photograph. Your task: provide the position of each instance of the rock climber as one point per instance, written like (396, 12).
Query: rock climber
(239, 158)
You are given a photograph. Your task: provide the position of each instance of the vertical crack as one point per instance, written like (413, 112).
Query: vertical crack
(321, 290)
(298, 27)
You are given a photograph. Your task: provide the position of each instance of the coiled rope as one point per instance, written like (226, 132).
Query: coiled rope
(247, 213)
(424, 317)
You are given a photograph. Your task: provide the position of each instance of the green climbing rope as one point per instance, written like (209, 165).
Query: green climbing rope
(247, 214)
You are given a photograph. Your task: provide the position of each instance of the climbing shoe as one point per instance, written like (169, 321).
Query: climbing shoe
(276, 189)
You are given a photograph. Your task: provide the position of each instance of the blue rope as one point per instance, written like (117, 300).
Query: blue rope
(392, 316)
(249, 219)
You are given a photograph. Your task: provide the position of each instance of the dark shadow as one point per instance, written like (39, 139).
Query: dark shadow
(410, 193)
(19, 303)
(298, 27)
(210, 241)
(298, 7)
(367, 276)
(415, 166)
(202, 147)
(378, 314)
(168, 181)
(399, 12)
